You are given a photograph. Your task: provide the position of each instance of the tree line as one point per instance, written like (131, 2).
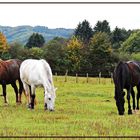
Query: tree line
(89, 50)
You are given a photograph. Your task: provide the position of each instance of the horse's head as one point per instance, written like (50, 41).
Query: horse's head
(121, 77)
(50, 99)
(120, 103)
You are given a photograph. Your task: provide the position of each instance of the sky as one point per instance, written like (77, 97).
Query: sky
(69, 15)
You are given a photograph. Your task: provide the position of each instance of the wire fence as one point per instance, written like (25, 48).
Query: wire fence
(84, 78)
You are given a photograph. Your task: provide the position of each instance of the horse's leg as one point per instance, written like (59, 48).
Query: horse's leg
(27, 91)
(45, 97)
(20, 89)
(32, 96)
(133, 97)
(45, 101)
(128, 98)
(15, 89)
(4, 92)
(138, 96)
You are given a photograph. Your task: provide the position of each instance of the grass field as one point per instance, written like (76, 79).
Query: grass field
(81, 109)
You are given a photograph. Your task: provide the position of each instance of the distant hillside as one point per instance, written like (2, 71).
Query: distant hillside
(22, 33)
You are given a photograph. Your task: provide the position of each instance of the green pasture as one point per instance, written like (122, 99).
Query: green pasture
(81, 109)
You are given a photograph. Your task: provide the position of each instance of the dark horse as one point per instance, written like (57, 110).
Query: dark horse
(126, 76)
(9, 73)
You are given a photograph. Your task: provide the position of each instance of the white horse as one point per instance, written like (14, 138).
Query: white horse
(35, 73)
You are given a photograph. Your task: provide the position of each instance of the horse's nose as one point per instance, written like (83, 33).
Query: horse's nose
(51, 110)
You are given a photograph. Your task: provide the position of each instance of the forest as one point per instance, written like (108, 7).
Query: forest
(89, 50)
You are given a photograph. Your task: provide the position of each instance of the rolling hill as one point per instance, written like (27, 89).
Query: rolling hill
(21, 34)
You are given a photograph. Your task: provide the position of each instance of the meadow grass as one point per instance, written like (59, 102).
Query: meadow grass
(81, 109)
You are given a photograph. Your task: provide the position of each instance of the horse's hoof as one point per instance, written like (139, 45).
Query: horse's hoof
(135, 111)
(129, 112)
(6, 104)
(121, 114)
(18, 103)
(51, 110)
(45, 107)
(32, 107)
(29, 105)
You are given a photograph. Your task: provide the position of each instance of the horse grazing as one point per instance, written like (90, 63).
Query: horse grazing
(9, 73)
(126, 76)
(35, 73)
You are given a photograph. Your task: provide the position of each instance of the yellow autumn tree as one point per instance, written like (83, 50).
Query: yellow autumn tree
(3, 43)
(74, 50)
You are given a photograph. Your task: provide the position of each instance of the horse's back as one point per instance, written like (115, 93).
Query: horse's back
(34, 71)
(9, 70)
(33, 65)
(134, 67)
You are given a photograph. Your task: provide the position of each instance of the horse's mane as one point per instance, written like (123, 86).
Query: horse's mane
(1, 62)
(118, 71)
(120, 75)
(48, 71)
(120, 63)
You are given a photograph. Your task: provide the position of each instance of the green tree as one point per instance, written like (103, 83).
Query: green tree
(35, 53)
(84, 31)
(18, 51)
(132, 44)
(35, 40)
(55, 54)
(135, 56)
(118, 36)
(100, 52)
(102, 26)
(15, 50)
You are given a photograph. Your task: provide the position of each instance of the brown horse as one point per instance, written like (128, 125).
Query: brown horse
(9, 73)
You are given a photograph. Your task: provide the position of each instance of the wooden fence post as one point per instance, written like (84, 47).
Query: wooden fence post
(100, 77)
(111, 77)
(56, 76)
(76, 78)
(66, 74)
(87, 77)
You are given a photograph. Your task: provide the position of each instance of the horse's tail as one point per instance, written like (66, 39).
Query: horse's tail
(48, 71)
(21, 89)
(47, 66)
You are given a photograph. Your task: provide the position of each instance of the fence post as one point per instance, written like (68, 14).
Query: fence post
(111, 77)
(76, 78)
(66, 74)
(56, 76)
(100, 77)
(87, 77)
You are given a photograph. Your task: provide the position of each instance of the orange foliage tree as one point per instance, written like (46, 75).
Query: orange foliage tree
(74, 53)
(3, 43)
